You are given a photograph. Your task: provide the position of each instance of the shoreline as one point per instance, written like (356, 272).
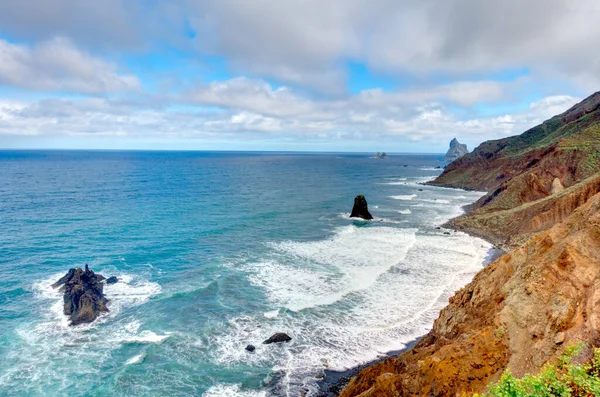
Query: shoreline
(334, 382)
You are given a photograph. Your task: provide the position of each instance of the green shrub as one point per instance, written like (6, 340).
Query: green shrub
(564, 379)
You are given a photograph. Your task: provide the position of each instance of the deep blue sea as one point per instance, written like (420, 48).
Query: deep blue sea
(216, 251)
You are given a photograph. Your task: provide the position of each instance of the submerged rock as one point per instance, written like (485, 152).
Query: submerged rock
(278, 338)
(112, 280)
(360, 209)
(82, 295)
(456, 150)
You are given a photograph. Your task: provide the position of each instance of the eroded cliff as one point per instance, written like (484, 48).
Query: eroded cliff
(522, 310)
(517, 313)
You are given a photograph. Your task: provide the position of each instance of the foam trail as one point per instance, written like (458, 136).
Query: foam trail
(322, 272)
(406, 197)
(221, 390)
(137, 359)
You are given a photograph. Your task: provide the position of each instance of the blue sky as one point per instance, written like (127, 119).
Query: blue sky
(336, 75)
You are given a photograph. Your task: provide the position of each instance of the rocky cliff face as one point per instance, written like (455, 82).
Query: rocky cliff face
(560, 153)
(523, 309)
(456, 151)
(518, 313)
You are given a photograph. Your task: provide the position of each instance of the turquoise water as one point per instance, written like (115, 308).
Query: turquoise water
(216, 251)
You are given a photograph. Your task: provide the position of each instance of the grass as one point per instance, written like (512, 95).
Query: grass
(565, 378)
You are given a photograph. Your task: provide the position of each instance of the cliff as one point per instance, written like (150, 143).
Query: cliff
(521, 311)
(518, 313)
(560, 153)
(456, 151)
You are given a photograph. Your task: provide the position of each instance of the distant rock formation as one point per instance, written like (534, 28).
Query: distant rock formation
(83, 296)
(361, 209)
(278, 338)
(457, 150)
(381, 155)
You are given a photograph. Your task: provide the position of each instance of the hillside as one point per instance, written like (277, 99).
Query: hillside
(560, 153)
(518, 313)
(524, 309)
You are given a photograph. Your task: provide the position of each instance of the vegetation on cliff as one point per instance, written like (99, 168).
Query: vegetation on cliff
(566, 378)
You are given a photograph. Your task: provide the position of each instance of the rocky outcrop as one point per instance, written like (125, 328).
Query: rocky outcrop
(518, 314)
(112, 280)
(83, 295)
(512, 227)
(360, 208)
(278, 338)
(380, 155)
(456, 151)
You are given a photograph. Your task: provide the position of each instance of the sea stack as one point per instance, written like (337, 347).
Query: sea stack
(83, 295)
(456, 151)
(360, 209)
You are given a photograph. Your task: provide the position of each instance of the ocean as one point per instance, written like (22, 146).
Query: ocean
(215, 251)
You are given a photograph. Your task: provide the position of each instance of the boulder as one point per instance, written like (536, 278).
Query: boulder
(250, 348)
(112, 280)
(278, 338)
(360, 209)
(556, 187)
(82, 295)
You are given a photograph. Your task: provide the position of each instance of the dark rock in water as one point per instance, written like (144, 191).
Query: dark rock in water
(278, 338)
(250, 348)
(112, 280)
(456, 150)
(83, 297)
(360, 209)
(446, 232)
(438, 167)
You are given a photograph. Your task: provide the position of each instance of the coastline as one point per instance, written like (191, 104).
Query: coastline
(334, 382)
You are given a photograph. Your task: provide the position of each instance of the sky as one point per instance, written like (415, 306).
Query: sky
(297, 75)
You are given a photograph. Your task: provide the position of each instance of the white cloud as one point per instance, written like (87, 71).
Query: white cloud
(253, 110)
(297, 40)
(56, 65)
(306, 42)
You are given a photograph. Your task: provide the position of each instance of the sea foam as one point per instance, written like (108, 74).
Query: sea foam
(349, 299)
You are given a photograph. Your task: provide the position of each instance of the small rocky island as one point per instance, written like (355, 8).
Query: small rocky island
(456, 151)
(83, 295)
(381, 155)
(360, 208)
